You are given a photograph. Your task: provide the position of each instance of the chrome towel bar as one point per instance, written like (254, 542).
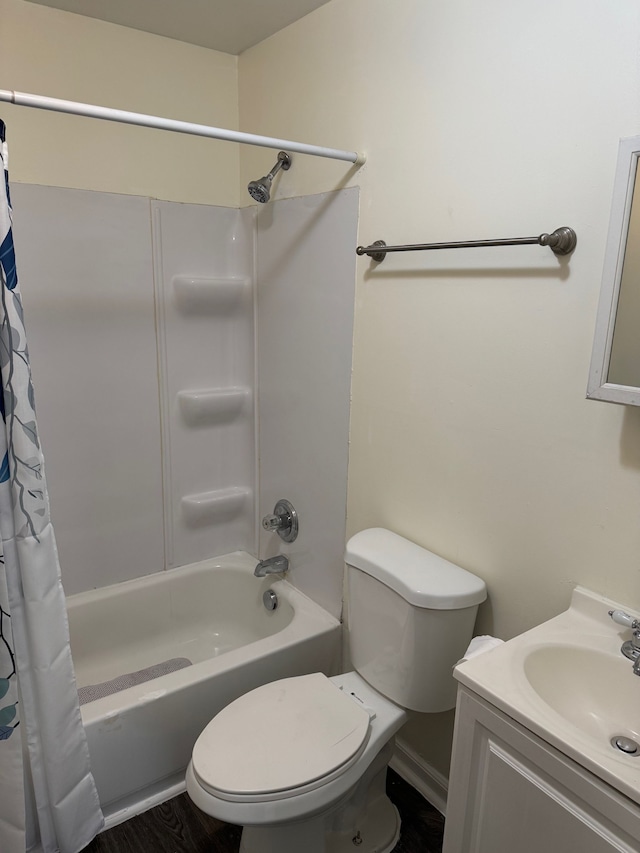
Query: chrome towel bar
(562, 241)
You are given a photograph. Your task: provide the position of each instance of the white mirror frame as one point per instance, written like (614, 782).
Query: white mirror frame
(598, 388)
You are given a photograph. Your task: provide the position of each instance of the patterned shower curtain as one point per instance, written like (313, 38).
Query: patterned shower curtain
(47, 792)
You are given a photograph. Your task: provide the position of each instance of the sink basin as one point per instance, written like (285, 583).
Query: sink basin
(567, 682)
(594, 691)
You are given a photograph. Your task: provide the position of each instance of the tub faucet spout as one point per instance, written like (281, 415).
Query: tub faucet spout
(274, 565)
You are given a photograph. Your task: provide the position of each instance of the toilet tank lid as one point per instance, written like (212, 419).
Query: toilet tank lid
(419, 576)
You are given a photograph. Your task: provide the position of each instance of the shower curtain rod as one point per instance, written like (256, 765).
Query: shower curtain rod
(24, 99)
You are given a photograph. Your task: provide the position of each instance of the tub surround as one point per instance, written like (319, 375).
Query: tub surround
(204, 273)
(222, 319)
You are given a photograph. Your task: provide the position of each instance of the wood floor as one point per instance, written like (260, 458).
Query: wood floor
(179, 827)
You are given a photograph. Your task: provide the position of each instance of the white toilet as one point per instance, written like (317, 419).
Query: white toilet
(301, 763)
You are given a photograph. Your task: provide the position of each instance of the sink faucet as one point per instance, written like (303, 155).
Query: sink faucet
(273, 565)
(630, 648)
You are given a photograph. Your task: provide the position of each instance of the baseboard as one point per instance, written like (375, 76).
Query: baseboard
(142, 801)
(417, 772)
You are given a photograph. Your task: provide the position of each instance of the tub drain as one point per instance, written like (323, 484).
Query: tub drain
(626, 745)
(270, 600)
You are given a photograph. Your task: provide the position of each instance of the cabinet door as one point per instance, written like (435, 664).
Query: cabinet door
(511, 792)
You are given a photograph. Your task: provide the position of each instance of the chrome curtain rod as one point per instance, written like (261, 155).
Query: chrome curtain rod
(562, 241)
(24, 99)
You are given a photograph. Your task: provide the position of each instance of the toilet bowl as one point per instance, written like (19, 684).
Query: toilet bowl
(301, 763)
(295, 777)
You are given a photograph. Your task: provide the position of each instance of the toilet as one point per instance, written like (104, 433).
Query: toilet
(301, 763)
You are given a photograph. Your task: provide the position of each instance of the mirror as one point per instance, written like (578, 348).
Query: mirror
(614, 375)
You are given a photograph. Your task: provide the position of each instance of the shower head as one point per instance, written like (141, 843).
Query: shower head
(260, 190)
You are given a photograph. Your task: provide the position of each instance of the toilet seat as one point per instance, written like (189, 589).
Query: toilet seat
(280, 740)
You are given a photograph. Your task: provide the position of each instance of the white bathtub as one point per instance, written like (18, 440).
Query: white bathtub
(140, 738)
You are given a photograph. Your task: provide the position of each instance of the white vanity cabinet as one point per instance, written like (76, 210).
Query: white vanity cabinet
(511, 792)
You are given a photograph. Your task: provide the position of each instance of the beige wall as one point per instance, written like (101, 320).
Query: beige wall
(68, 56)
(470, 431)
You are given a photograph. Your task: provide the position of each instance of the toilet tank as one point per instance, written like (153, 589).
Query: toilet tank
(411, 616)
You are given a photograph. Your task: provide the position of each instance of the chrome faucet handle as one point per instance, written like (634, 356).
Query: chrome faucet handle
(284, 521)
(630, 648)
(622, 618)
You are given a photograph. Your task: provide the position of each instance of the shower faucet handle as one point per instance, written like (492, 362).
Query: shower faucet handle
(284, 521)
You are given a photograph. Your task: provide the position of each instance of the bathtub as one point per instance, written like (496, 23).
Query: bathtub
(210, 613)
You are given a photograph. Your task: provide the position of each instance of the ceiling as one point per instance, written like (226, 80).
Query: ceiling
(227, 25)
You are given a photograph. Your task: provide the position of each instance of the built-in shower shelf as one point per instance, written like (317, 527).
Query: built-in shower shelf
(195, 295)
(212, 507)
(213, 405)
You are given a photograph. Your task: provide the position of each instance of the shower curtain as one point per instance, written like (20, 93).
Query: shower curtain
(48, 799)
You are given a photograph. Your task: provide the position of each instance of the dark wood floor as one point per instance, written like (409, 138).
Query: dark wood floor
(179, 827)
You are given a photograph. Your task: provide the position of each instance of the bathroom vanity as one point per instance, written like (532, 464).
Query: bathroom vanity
(533, 766)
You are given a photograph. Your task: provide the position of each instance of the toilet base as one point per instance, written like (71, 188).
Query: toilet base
(367, 822)
(378, 832)
(307, 836)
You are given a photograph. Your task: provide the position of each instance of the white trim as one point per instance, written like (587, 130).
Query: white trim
(428, 781)
(141, 801)
(41, 102)
(598, 388)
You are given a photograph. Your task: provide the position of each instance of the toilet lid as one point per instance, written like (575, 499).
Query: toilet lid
(280, 736)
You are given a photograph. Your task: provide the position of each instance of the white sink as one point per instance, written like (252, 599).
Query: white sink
(568, 682)
(594, 691)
